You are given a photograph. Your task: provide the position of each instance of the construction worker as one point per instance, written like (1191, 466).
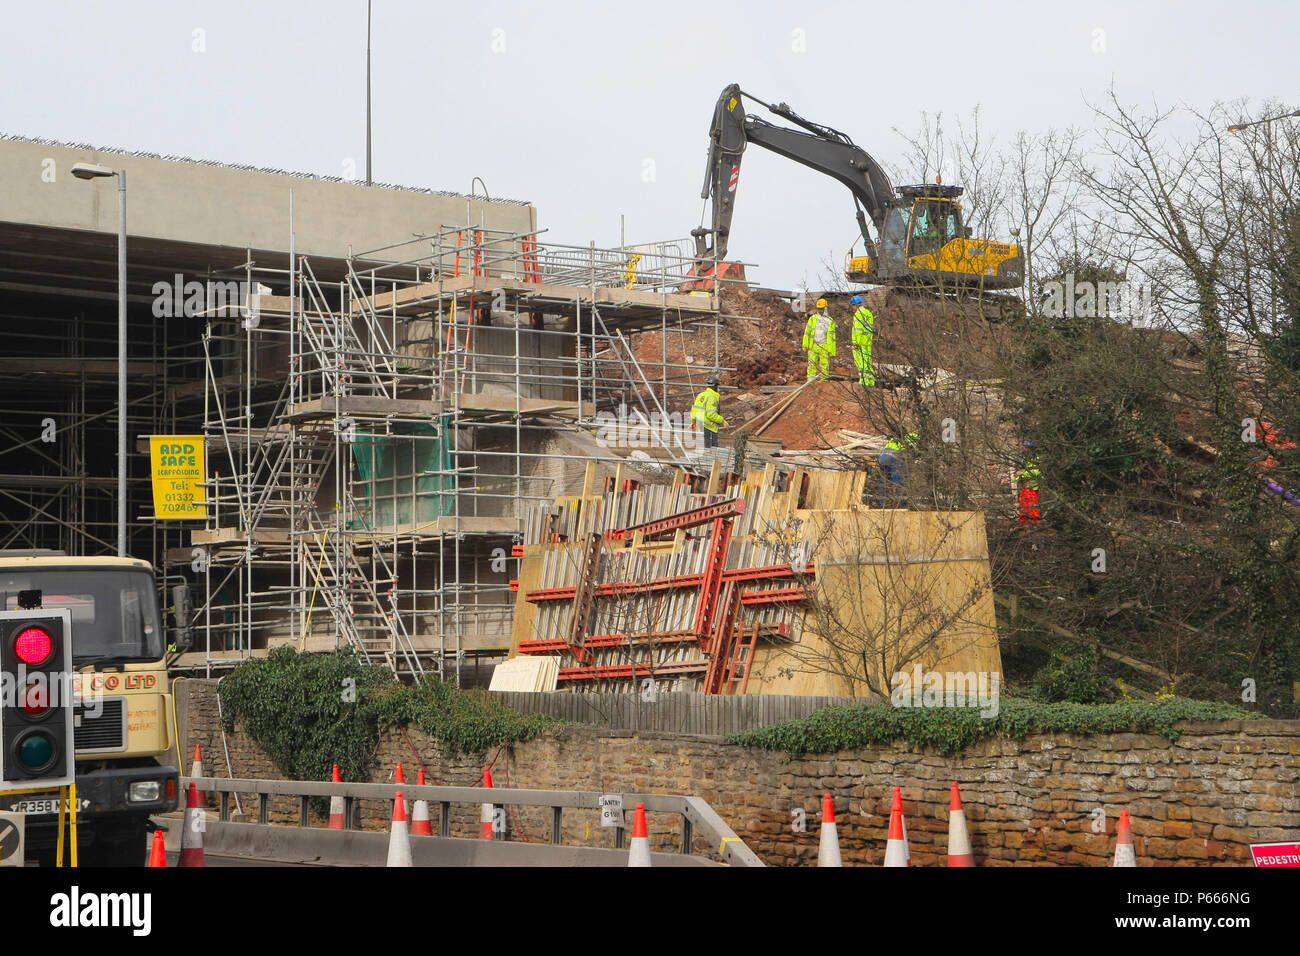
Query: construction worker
(819, 341)
(893, 466)
(1027, 478)
(705, 415)
(864, 330)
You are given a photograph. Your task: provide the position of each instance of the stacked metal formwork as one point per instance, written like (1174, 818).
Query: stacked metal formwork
(685, 586)
(378, 438)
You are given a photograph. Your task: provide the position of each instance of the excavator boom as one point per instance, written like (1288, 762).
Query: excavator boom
(826, 150)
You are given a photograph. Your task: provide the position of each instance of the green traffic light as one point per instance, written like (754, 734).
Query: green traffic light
(36, 752)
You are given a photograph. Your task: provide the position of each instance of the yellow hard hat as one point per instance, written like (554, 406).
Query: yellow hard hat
(821, 303)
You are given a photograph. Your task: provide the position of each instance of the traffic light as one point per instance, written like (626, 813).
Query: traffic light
(37, 749)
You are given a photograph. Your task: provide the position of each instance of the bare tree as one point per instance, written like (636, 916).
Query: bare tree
(1042, 195)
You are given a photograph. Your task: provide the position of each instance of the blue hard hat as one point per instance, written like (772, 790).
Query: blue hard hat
(856, 300)
(1031, 444)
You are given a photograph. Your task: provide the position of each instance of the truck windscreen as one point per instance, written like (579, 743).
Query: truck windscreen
(114, 612)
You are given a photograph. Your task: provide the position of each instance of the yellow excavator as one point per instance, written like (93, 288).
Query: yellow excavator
(920, 239)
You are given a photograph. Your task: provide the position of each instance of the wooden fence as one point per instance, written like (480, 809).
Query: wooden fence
(675, 712)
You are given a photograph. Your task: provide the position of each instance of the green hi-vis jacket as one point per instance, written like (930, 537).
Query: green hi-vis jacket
(864, 327)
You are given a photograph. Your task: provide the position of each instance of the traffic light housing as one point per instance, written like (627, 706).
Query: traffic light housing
(37, 747)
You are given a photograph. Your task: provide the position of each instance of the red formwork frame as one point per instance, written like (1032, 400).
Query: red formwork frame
(740, 575)
(722, 510)
(714, 628)
(583, 597)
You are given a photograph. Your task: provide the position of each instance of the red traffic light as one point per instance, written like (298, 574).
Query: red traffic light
(34, 646)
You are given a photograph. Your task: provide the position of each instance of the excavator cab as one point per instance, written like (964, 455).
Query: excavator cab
(921, 227)
(925, 241)
(935, 223)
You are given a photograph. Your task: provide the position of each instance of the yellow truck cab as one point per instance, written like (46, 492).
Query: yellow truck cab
(123, 724)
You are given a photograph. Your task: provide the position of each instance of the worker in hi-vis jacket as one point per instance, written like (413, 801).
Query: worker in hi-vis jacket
(864, 331)
(819, 341)
(705, 414)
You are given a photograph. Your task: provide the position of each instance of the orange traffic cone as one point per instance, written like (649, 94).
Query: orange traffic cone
(896, 851)
(399, 841)
(399, 778)
(196, 770)
(192, 835)
(485, 819)
(959, 851)
(639, 854)
(828, 852)
(420, 825)
(158, 852)
(1124, 853)
(336, 805)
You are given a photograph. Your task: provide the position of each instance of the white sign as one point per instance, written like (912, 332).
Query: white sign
(611, 810)
(11, 839)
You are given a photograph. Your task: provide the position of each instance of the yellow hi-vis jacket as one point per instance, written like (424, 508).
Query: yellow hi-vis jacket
(705, 411)
(810, 334)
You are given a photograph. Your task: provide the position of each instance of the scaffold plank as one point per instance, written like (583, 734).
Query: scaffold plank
(613, 300)
(510, 404)
(228, 537)
(364, 406)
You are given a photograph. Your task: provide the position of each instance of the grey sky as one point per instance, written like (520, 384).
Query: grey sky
(563, 103)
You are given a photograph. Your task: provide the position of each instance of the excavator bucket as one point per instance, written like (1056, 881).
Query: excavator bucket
(703, 277)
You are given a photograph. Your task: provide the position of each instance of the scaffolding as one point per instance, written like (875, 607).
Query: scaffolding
(377, 438)
(59, 388)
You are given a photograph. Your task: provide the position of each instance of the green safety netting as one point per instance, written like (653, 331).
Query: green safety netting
(404, 478)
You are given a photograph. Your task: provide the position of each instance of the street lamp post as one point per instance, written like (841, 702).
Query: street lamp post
(93, 171)
(368, 179)
(1268, 119)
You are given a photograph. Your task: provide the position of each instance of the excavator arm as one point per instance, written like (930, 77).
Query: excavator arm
(819, 147)
(920, 238)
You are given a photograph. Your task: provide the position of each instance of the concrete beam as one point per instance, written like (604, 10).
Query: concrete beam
(182, 200)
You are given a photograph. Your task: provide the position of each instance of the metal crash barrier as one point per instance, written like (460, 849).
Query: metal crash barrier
(696, 816)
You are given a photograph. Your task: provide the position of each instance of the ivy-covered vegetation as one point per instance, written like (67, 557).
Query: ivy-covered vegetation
(310, 711)
(950, 729)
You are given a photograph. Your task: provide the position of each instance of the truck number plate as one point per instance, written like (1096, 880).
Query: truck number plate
(50, 805)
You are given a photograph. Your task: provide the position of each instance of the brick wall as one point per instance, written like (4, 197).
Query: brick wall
(1201, 799)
